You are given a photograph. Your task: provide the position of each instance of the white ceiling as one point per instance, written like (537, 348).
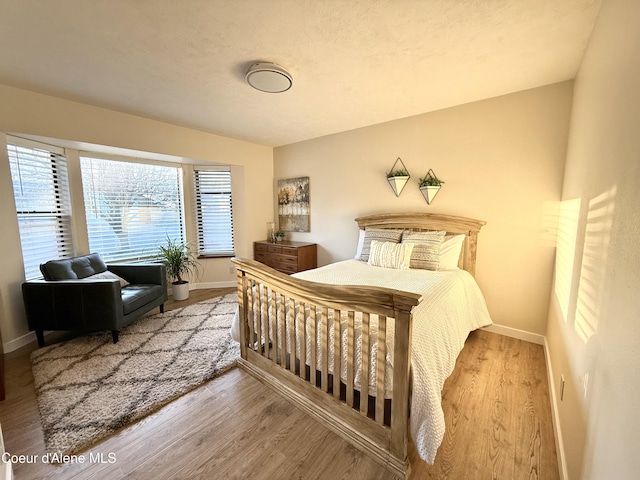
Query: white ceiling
(354, 62)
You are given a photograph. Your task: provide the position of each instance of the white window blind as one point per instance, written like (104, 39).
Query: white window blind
(41, 191)
(131, 208)
(214, 213)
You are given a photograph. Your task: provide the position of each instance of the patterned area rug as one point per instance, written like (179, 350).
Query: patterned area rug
(89, 387)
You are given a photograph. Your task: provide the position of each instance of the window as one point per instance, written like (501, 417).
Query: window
(214, 216)
(131, 208)
(41, 191)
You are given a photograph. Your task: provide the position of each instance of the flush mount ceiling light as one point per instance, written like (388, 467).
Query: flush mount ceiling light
(269, 77)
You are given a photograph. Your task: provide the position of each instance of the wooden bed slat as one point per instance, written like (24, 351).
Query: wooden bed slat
(251, 318)
(381, 360)
(337, 353)
(313, 338)
(292, 336)
(350, 357)
(302, 335)
(274, 326)
(324, 365)
(259, 332)
(267, 323)
(276, 332)
(364, 376)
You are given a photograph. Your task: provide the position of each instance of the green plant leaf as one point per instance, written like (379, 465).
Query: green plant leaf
(179, 259)
(401, 172)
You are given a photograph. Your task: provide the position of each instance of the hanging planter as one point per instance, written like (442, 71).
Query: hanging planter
(430, 185)
(398, 177)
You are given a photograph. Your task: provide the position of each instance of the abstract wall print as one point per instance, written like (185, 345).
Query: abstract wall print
(293, 204)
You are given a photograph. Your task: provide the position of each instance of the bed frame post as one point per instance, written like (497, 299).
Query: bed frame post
(242, 311)
(471, 252)
(401, 383)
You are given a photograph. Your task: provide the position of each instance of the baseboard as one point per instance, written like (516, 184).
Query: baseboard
(201, 286)
(19, 342)
(562, 463)
(30, 338)
(227, 284)
(515, 333)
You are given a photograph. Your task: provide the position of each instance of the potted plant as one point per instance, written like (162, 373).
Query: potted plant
(279, 236)
(398, 177)
(430, 185)
(180, 261)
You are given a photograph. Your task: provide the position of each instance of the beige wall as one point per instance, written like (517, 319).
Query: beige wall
(595, 340)
(23, 112)
(502, 160)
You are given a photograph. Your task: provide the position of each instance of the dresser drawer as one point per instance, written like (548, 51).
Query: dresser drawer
(286, 267)
(260, 247)
(289, 251)
(285, 259)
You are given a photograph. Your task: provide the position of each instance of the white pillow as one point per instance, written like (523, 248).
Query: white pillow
(450, 252)
(361, 236)
(390, 255)
(107, 275)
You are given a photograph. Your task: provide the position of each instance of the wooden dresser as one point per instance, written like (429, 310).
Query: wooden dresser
(287, 257)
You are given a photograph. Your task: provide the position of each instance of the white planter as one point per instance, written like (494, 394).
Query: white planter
(180, 291)
(430, 192)
(397, 184)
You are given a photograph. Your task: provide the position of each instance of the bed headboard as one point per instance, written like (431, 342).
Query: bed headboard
(431, 221)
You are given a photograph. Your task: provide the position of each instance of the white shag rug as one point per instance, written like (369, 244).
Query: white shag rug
(89, 387)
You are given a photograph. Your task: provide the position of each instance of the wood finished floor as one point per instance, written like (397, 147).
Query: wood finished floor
(496, 407)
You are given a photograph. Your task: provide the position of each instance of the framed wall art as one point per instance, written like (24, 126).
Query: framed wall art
(293, 205)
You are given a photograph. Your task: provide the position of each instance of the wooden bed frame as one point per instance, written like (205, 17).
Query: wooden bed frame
(377, 427)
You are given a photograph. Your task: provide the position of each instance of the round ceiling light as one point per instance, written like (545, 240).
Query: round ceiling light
(269, 77)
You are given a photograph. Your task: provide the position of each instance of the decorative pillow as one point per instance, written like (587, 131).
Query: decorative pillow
(390, 255)
(381, 235)
(107, 275)
(450, 252)
(426, 253)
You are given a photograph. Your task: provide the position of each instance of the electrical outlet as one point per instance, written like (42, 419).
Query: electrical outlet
(232, 269)
(561, 387)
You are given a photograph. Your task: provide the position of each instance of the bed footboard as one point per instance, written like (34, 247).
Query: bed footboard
(327, 349)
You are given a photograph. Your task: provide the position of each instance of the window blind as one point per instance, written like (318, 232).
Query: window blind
(214, 212)
(131, 208)
(41, 191)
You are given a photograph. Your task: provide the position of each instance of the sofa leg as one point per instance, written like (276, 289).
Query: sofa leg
(162, 308)
(40, 337)
(114, 334)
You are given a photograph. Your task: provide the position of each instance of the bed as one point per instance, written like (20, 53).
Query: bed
(363, 347)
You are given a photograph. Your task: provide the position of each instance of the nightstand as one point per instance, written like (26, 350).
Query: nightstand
(287, 257)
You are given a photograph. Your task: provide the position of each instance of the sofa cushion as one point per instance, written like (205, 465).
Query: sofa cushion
(136, 296)
(73, 268)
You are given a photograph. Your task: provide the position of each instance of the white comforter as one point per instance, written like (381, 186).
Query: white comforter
(452, 307)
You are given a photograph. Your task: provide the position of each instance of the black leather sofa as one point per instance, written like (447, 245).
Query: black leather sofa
(79, 294)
